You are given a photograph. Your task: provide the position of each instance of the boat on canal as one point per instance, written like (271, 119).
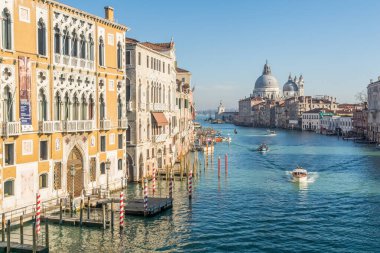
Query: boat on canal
(263, 148)
(299, 175)
(271, 132)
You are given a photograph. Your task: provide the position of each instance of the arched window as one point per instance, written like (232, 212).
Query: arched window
(82, 46)
(43, 181)
(91, 108)
(128, 90)
(101, 51)
(83, 105)
(76, 108)
(67, 107)
(119, 164)
(42, 106)
(163, 95)
(9, 188)
(128, 135)
(7, 29)
(119, 108)
(102, 168)
(41, 37)
(74, 45)
(57, 40)
(57, 105)
(147, 92)
(91, 48)
(102, 107)
(119, 56)
(66, 42)
(8, 105)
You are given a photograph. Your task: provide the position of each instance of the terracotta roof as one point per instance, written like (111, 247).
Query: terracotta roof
(159, 46)
(131, 40)
(179, 70)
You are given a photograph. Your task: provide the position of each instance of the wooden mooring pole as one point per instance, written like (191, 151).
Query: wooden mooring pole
(88, 207)
(21, 229)
(112, 216)
(104, 216)
(81, 213)
(3, 228)
(8, 236)
(34, 239)
(46, 234)
(60, 211)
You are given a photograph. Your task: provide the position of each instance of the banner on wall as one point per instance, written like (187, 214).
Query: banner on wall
(25, 84)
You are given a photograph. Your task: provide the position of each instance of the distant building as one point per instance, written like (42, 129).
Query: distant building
(227, 117)
(373, 90)
(311, 120)
(360, 121)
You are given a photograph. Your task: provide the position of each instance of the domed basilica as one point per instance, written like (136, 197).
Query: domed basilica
(266, 86)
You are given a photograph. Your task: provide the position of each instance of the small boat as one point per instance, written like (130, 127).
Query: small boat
(218, 139)
(263, 148)
(271, 132)
(235, 131)
(299, 175)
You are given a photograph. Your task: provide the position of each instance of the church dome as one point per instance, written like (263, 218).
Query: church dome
(290, 86)
(266, 80)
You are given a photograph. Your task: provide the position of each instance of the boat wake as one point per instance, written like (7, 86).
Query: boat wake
(311, 176)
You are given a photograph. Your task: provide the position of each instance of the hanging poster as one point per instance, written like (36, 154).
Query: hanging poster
(25, 83)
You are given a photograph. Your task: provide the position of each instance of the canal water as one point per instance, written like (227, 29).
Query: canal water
(256, 208)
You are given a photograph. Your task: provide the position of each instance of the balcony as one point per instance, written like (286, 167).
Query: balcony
(129, 106)
(49, 127)
(123, 123)
(159, 107)
(10, 129)
(77, 126)
(105, 124)
(74, 62)
(160, 138)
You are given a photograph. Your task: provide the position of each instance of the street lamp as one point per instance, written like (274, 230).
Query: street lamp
(72, 173)
(108, 167)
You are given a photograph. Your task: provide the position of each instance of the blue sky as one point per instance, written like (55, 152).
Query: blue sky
(335, 44)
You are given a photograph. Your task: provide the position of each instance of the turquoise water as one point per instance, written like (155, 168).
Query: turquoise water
(256, 208)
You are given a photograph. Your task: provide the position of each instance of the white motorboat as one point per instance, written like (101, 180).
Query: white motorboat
(271, 132)
(299, 175)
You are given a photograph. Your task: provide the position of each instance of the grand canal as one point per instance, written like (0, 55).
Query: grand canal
(256, 208)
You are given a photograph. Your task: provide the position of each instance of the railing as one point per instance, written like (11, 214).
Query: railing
(160, 138)
(123, 123)
(129, 106)
(10, 128)
(78, 126)
(159, 107)
(73, 61)
(105, 124)
(49, 127)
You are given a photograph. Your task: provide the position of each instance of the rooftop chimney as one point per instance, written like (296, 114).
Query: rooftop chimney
(109, 13)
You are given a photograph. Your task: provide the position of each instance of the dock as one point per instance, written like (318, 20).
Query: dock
(155, 206)
(22, 248)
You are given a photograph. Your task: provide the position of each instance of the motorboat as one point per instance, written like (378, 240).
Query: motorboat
(299, 175)
(263, 148)
(271, 132)
(235, 131)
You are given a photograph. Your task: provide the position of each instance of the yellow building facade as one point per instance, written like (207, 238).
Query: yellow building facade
(62, 102)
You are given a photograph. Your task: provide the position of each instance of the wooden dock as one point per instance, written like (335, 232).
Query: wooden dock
(74, 221)
(155, 206)
(22, 248)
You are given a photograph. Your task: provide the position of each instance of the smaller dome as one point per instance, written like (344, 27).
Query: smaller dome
(290, 86)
